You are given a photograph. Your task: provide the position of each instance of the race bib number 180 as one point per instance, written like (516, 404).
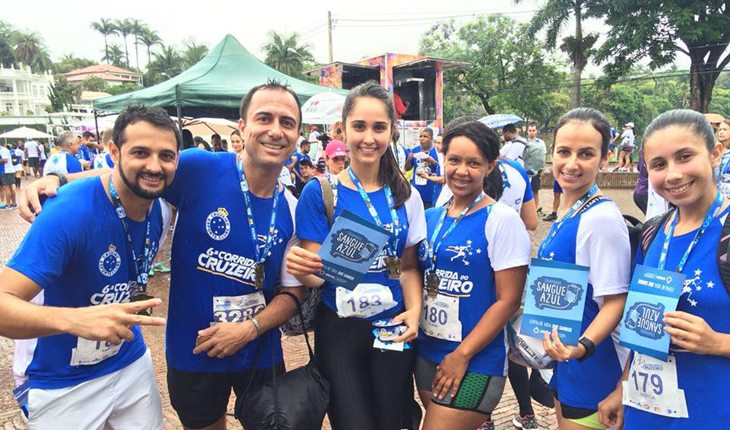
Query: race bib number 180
(440, 317)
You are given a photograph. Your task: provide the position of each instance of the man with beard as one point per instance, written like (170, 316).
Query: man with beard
(88, 253)
(227, 260)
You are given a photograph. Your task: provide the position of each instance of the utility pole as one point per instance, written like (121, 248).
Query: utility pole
(329, 33)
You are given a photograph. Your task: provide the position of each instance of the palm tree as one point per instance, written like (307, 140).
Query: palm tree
(285, 54)
(149, 38)
(554, 16)
(167, 61)
(30, 51)
(137, 28)
(107, 28)
(114, 55)
(194, 53)
(125, 28)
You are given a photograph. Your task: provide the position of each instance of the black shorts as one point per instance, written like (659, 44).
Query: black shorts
(34, 162)
(201, 398)
(535, 183)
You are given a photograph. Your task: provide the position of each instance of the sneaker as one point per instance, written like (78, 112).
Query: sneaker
(526, 422)
(552, 216)
(161, 268)
(486, 425)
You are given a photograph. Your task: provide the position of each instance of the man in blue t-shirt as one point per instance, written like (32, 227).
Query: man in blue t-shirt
(88, 256)
(296, 160)
(424, 158)
(64, 161)
(221, 336)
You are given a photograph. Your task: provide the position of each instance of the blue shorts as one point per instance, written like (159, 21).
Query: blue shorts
(556, 187)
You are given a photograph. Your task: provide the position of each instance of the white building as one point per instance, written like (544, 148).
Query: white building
(23, 92)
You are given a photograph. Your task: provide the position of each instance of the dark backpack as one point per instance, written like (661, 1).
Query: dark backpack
(643, 235)
(295, 325)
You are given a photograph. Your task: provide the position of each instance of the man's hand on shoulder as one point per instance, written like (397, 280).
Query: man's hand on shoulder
(29, 200)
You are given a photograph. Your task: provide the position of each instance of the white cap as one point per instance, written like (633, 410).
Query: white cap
(629, 124)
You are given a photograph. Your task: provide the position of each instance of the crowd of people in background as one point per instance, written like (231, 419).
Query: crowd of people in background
(454, 290)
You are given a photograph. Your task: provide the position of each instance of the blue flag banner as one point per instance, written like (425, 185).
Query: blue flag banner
(652, 293)
(555, 295)
(350, 249)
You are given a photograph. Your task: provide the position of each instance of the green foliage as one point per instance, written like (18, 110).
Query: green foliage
(166, 64)
(94, 83)
(193, 53)
(507, 70)
(114, 55)
(285, 53)
(62, 94)
(659, 29)
(126, 87)
(68, 63)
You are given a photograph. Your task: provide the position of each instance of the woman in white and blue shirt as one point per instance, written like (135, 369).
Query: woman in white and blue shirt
(367, 385)
(589, 233)
(475, 263)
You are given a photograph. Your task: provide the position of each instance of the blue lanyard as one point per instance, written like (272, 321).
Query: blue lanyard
(558, 225)
(140, 274)
(393, 249)
(433, 246)
(709, 216)
(259, 256)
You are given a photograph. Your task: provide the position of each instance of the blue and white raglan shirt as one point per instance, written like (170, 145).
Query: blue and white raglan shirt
(425, 188)
(213, 278)
(591, 238)
(62, 162)
(516, 189)
(83, 153)
(704, 378)
(103, 161)
(480, 245)
(312, 225)
(77, 264)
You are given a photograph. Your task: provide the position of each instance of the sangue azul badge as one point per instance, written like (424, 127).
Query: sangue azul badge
(646, 319)
(352, 246)
(555, 293)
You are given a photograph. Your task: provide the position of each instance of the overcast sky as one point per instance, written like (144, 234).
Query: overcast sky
(393, 26)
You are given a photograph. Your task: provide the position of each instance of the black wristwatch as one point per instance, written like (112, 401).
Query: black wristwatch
(589, 346)
(62, 179)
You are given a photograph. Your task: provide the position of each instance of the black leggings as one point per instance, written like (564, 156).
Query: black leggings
(521, 386)
(367, 385)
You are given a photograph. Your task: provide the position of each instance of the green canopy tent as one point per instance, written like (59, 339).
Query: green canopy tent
(213, 87)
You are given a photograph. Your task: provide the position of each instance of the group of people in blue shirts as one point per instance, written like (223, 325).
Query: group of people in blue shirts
(460, 271)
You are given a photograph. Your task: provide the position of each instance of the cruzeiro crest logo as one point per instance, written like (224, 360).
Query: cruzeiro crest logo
(110, 262)
(217, 224)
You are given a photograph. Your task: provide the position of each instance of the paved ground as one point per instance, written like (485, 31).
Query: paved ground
(12, 229)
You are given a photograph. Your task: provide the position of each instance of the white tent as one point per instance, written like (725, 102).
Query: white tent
(323, 108)
(26, 133)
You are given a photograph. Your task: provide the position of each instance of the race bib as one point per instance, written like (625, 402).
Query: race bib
(88, 352)
(440, 317)
(364, 301)
(238, 308)
(652, 387)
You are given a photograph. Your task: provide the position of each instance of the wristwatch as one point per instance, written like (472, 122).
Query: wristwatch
(62, 179)
(589, 346)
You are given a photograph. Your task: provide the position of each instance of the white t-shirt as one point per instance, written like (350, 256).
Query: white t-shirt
(513, 150)
(508, 244)
(627, 137)
(21, 155)
(313, 136)
(32, 147)
(285, 177)
(5, 155)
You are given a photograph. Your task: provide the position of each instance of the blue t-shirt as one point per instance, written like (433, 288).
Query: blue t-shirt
(81, 263)
(312, 225)
(83, 153)
(428, 190)
(704, 378)
(300, 158)
(591, 238)
(481, 244)
(213, 256)
(62, 162)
